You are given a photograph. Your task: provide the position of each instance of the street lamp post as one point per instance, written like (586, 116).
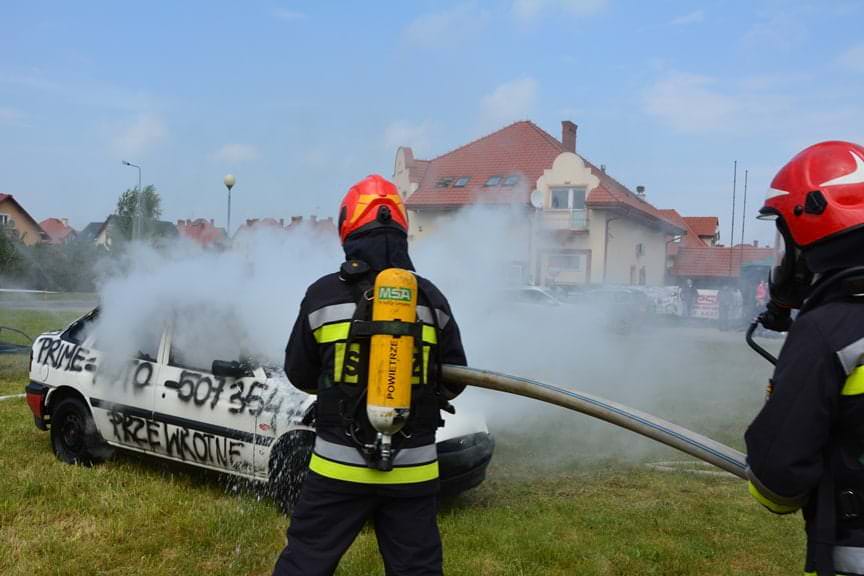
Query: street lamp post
(229, 181)
(136, 222)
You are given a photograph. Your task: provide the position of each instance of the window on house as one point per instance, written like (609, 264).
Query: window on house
(642, 276)
(567, 198)
(640, 249)
(492, 181)
(4, 219)
(461, 182)
(511, 180)
(443, 182)
(565, 261)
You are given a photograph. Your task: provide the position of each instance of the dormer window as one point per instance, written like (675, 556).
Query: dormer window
(511, 180)
(492, 181)
(443, 182)
(461, 182)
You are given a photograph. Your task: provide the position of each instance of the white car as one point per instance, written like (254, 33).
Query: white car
(227, 416)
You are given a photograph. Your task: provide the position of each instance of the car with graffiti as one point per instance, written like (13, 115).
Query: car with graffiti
(226, 415)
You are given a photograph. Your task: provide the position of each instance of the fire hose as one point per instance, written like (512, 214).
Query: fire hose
(678, 437)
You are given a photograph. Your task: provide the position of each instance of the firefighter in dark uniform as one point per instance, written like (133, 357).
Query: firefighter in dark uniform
(346, 484)
(805, 449)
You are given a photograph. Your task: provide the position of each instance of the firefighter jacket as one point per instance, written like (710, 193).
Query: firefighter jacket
(805, 449)
(322, 358)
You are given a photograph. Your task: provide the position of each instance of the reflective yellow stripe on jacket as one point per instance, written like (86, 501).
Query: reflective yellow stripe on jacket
(363, 475)
(336, 333)
(771, 505)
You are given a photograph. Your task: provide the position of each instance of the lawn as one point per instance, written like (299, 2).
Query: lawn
(587, 512)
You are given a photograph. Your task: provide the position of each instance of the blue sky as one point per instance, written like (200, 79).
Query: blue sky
(299, 100)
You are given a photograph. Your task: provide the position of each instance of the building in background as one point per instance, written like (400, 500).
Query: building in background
(583, 227)
(14, 217)
(201, 231)
(58, 230)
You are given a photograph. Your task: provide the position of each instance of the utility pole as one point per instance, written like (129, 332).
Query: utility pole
(744, 214)
(732, 232)
(136, 220)
(229, 180)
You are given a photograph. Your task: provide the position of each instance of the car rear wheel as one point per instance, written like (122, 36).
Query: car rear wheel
(289, 462)
(74, 437)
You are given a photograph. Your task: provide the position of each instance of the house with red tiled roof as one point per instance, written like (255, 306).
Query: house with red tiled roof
(201, 231)
(14, 218)
(58, 230)
(582, 224)
(706, 228)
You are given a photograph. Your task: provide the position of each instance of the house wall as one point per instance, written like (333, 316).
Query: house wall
(28, 232)
(564, 235)
(625, 259)
(401, 174)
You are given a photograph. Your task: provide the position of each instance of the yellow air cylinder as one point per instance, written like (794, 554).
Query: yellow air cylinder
(388, 401)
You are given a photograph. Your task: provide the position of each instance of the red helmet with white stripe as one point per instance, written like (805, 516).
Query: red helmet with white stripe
(819, 193)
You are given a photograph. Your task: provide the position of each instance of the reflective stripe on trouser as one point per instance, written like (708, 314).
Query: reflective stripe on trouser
(410, 465)
(848, 560)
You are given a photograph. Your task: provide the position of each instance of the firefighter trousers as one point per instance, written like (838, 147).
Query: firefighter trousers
(326, 520)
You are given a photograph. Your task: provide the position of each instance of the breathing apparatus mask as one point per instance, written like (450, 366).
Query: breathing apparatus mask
(789, 284)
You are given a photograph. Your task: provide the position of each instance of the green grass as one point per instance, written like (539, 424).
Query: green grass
(576, 515)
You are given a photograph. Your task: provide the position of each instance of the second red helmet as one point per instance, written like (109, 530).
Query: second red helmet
(819, 193)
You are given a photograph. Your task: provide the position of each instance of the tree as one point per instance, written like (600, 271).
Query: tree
(11, 260)
(128, 205)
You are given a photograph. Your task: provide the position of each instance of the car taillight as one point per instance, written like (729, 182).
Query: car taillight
(34, 400)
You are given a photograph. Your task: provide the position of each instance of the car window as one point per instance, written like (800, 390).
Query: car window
(79, 330)
(201, 336)
(147, 340)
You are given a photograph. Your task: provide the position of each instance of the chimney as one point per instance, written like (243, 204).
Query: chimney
(603, 168)
(296, 220)
(568, 135)
(282, 222)
(640, 192)
(180, 222)
(212, 222)
(755, 243)
(314, 218)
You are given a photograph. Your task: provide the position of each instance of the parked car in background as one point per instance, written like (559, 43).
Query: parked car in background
(225, 414)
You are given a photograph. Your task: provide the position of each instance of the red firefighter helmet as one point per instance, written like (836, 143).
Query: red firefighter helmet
(373, 202)
(819, 193)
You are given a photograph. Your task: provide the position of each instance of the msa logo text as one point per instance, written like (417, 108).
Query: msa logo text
(393, 293)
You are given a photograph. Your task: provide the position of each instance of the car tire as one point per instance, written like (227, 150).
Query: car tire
(74, 437)
(289, 463)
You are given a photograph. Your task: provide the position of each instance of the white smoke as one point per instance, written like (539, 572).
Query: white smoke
(244, 301)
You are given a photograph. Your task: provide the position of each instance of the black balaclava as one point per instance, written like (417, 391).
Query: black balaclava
(844, 251)
(381, 248)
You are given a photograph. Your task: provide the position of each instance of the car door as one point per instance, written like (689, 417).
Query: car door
(121, 391)
(205, 419)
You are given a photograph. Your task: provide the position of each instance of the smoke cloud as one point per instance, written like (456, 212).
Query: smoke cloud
(243, 302)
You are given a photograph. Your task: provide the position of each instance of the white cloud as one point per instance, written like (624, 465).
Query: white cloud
(692, 18)
(509, 102)
(853, 58)
(288, 15)
(401, 133)
(690, 103)
(440, 28)
(136, 138)
(528, 10)
(235, 153)
(696, 104)
(12, 117)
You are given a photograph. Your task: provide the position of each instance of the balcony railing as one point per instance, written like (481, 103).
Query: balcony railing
(565, 219)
